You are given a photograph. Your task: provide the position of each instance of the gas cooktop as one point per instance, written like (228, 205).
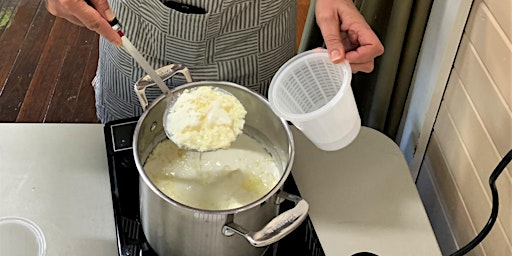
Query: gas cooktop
(124, 180)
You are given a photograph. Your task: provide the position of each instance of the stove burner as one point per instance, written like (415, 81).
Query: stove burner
(124, 182)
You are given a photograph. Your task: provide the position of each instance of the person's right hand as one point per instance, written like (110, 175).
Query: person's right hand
(347, 35)
(80, 13)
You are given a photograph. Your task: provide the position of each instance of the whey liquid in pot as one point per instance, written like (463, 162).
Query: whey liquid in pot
(216, 180)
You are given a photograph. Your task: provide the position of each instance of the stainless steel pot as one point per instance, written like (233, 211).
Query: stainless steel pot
(172, 228)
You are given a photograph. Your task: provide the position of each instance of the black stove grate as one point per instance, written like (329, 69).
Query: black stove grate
(125, 196)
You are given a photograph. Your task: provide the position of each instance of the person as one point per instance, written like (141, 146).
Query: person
(244, 42)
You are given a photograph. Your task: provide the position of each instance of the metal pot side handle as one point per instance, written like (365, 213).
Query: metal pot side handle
(165, 73)
(277, 228)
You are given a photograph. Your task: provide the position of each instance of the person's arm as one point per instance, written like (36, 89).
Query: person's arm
(80, 13)
(347, 35)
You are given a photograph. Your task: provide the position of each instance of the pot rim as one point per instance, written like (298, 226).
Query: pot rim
(147, 181)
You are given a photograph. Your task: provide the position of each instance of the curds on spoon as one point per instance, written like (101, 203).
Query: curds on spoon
(220, 123)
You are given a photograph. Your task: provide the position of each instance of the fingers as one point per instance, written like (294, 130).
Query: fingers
(75, 21)
(369, 45)
(362, 67)
(92, 19)
(328, 23)
(362, 58)
(347, 35)
(80, 13)
(103, 9)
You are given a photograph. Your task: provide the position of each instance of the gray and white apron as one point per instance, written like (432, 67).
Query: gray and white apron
(241, 41)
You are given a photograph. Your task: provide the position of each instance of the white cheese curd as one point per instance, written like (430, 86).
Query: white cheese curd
(205, 118)
(217, 180)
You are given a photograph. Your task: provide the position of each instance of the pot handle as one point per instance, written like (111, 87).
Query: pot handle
(277, 228)
(165, 73)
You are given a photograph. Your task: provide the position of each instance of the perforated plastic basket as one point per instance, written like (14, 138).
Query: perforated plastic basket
(316, 96)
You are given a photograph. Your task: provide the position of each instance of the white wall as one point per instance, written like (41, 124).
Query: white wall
(437, 53)
(473, 130)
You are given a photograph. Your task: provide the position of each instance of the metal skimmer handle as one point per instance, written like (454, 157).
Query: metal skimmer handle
(165, 73)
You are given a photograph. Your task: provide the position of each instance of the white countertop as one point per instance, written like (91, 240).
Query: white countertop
(57, 176)
(362, 198)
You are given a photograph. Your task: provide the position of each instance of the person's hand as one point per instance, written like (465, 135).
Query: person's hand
(80, 13)
(347, 35)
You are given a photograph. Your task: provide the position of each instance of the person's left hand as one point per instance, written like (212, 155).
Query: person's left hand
(347, 35)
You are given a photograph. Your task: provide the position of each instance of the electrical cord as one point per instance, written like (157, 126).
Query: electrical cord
(494, 211)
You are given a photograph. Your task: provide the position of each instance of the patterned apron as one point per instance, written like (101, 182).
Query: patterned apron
(240, 41)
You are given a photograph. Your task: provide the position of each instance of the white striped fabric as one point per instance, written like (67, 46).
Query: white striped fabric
(244, 42)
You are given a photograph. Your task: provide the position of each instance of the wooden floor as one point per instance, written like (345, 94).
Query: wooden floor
(47, 65)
